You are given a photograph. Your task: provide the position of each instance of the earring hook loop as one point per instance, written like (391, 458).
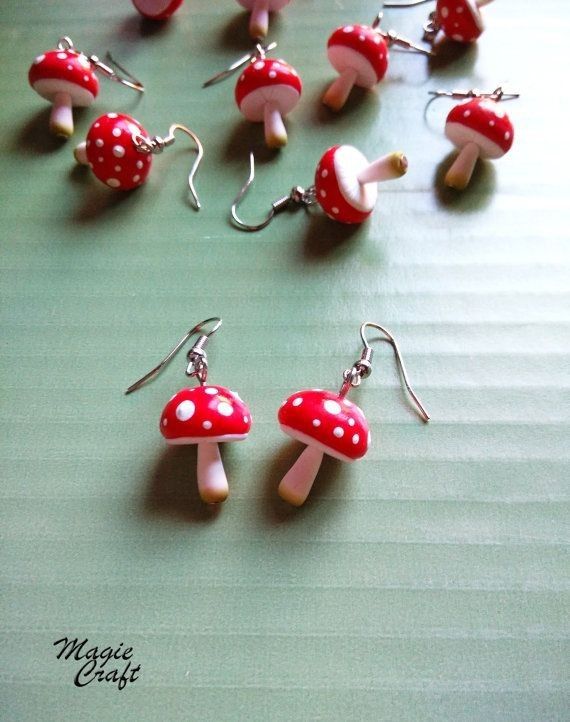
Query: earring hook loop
(498, 94)
(363, 367)
(108, 70)
(392, 38)
(258, 52)
(298, 196)
(197, 364)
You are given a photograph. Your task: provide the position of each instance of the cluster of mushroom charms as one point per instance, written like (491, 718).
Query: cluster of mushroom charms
(119, 150)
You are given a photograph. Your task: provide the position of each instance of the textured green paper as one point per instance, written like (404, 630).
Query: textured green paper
(428, 581)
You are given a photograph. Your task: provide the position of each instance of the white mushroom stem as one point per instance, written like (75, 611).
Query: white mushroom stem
(388, 167)
(459, 175)
(275, 133)
(259, 19)
(61, 118)
(482, 3)
(297, 482)
(339, 90)
(80, 153)
(212, 481)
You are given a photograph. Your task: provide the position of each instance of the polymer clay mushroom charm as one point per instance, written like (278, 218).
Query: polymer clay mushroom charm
(346, 183)
(328, 424)
(157, 9)
(479, 128)
(259, 18)
(206, 416)
(66, 79)
(119, 151)
(266, 91)
(360, 55)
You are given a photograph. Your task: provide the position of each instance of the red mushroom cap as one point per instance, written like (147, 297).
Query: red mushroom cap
(338, 190)
(267, 81)
(157, 9)
(205, 413)
(112, 154)
(360, 48)
(460, 20)
(64, 71)
(481, 121)
(326, 420)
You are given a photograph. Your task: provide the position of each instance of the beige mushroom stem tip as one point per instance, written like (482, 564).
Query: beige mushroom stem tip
(259, 19)
(61, 118)
(80, 153)
(482, 3)
(297, 482)
(393, 165)
(339, 90)
(212, 481)
(459, 175)
(275, 133)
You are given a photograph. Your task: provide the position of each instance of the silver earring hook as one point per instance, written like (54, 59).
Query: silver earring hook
(498, 94)
(109, 71)
(392, 38)
(298, 196)
(197, 361)
(353, 376)
(408, 4)
(258, 53)
(156, 145)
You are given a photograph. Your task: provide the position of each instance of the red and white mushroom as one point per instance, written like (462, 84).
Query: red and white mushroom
(480, 129)
(112, 154)
(328, 424)
(460, 20)
(259, 18)
(157, 9)
(266, 91)
(206, 416)
(66, 79)
(360, 55)
(345, 182)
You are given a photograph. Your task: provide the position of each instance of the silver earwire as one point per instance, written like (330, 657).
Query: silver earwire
(392, 38)
(196, 356)
(156, 145)
(128, 79)
(259, 52)
(408, 4)
(298, 196)
(498, 94)
(362, 368)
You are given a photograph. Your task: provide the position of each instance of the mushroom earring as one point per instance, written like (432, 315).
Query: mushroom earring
(328, 423)
(67, 77)
(266, 91)
(157, 9)
(478, 128)
(359, 53)
(119, 151)
(458, 20)
(259, 14)
(205, 415)
(345, 186)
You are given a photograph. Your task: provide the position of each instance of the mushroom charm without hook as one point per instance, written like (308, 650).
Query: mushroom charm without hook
(328, 423)
(66, 78)
(259, 15)
(205, 415)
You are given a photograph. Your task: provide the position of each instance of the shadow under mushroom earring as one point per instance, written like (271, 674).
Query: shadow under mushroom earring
(458, 20)
(266, 91)
(359, 53)
(345, 186)
(119, 151)
(330, 424)
(205, 415)
(478, 128)
(66, 78)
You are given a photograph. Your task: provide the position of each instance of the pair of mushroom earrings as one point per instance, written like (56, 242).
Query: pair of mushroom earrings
(326, 422)
(269, 89)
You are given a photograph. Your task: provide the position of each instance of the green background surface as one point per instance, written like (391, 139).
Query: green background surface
(428, 581)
